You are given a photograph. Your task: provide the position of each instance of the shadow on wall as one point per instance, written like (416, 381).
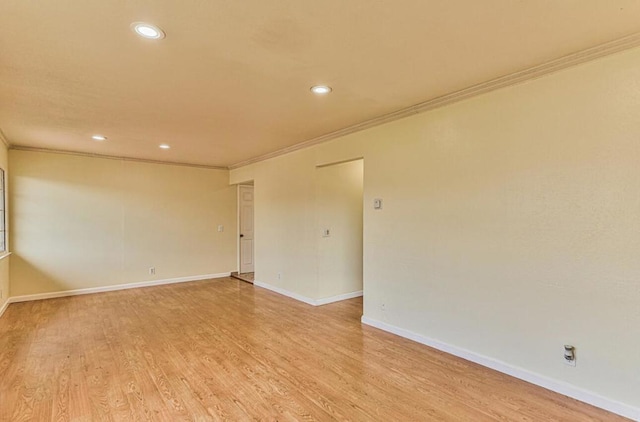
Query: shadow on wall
(39, 281)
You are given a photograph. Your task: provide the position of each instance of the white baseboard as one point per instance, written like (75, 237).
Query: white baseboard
(338, 298)
(284, 292)
(90, 290)
(307, 300)
(5, 306)
(523, 374)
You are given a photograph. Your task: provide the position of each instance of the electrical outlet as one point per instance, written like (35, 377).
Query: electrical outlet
(152, 270)
(220, 228)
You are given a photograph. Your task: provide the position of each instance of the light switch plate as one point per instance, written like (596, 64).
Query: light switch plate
(377, 204)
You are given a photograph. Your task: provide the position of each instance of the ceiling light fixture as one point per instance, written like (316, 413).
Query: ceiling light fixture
(99, 138)
(321, 89)
(164, 146)
(147, 30)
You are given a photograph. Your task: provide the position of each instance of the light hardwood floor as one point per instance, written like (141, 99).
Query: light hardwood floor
(248, 277)
(225, 350)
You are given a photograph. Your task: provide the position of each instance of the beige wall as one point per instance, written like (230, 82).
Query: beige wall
(285, 219)
(339, 209)
(4, 263)
(510, 224)
(82, 222)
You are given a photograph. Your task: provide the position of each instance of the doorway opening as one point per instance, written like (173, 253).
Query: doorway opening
(339, 205)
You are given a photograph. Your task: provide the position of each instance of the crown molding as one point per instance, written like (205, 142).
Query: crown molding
(4, 139)
(515, 78)
(113, 157)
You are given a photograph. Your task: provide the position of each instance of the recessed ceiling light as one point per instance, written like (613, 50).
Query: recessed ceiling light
(164, 146)
(147, 30)
(321, 89)
(99, 138)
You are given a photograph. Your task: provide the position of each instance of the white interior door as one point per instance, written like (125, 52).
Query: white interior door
(246, 228)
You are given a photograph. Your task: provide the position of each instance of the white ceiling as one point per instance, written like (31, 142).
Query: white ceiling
(230, 82)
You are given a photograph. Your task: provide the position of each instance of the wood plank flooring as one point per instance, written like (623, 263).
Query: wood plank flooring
(248, 277)
(225, 350)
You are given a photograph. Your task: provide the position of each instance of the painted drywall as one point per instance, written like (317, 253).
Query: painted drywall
(339, 210)
(82, 222)
(285, 212)
(4, 262)
(510, 224)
